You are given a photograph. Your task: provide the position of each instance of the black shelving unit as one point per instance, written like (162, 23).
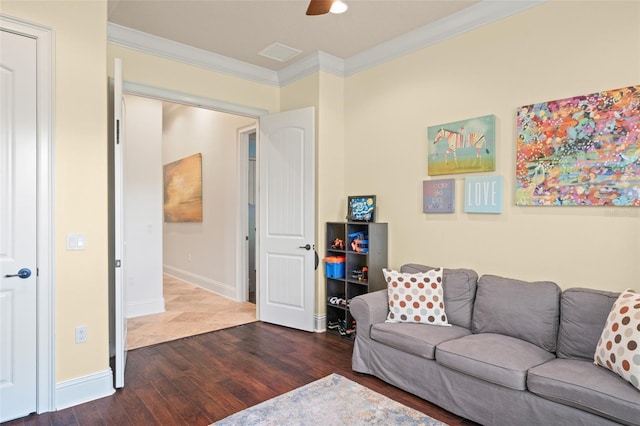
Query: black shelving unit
(368, 253)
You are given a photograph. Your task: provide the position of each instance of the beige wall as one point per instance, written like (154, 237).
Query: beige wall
(555, 50)
(81, 277)
(552, 51)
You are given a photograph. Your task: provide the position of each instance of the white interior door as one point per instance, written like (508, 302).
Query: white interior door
(18, 268)
(286, 219)
(119, 291)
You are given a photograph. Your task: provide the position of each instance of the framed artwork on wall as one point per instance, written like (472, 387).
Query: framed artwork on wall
(183, 190)
(462, 146)
(438, 196)
(580, 151)
(483, 194)
(361, 208)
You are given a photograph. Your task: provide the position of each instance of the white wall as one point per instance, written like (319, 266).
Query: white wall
(143, 206)
(204, 253)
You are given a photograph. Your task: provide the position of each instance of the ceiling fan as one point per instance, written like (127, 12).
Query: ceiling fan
(320, 7)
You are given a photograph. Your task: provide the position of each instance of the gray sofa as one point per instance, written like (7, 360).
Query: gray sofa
(516, 353)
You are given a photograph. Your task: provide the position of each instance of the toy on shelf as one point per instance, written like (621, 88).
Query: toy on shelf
(359, 242)
(337, 244)
(360, 274)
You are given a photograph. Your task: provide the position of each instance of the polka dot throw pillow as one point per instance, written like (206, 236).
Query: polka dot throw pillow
(416, 297)
(619, 345)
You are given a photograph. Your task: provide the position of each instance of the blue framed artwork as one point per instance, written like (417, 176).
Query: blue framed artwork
(361, 208)
(462, 146)
(483, 194)
(438, 196)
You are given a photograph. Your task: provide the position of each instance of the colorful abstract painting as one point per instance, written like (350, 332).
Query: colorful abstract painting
(462, 146)
(580, 151)
(183, 190)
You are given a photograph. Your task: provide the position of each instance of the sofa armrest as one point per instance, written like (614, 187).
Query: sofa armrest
(368, 309)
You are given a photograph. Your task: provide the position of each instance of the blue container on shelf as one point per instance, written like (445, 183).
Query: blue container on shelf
(334, 266)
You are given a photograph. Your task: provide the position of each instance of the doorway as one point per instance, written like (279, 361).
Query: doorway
(296, 129)
(159, 132)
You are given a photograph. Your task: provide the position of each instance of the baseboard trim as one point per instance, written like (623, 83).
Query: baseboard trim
(149, 307)
(321, 323)
(84, 389)
(200, 281)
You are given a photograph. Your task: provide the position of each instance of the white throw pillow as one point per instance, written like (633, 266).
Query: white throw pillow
(416, 297)
(619, 345)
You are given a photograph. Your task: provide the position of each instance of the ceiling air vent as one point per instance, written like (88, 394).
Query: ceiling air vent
(279, 52)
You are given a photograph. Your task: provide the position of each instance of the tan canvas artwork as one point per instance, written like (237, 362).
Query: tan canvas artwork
(183, 190)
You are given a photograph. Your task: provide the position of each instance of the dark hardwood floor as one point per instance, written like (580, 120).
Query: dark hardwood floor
(202, 379)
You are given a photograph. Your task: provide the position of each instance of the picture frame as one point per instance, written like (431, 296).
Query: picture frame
(438, 196)
(464, 146)
(182, 187)
(361, 208)
(580, 151)
(483, 194)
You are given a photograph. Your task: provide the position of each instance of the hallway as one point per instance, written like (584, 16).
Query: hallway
(190, 310)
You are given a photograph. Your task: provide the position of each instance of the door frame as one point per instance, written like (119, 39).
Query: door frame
(45, 107)
(162, 94)
(242, 254)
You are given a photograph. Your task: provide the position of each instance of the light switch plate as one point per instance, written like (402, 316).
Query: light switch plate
(76, 241)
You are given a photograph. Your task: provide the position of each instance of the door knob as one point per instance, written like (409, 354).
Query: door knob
(306, 247)
(22, 273)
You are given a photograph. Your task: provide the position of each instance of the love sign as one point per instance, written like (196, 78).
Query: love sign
(483, 194)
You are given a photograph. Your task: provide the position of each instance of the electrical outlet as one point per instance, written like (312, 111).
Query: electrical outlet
(81, 334)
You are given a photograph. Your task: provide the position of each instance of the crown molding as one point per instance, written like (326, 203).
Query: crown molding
(478, 15)
(311, 64)
(147, 43)
(473, 17)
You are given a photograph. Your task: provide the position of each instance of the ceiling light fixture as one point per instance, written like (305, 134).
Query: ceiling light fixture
(338, 6)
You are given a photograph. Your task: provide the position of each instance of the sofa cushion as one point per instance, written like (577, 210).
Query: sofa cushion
(417, 339)
(526, 310)
(584, 385)
(583, 313)
(416, 297)
(495, 358)
(619, 346)
(459, 287)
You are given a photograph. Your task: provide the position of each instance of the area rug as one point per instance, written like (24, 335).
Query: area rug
(332, 400)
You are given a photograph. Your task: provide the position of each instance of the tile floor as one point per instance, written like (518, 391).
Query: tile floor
(190, 310)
